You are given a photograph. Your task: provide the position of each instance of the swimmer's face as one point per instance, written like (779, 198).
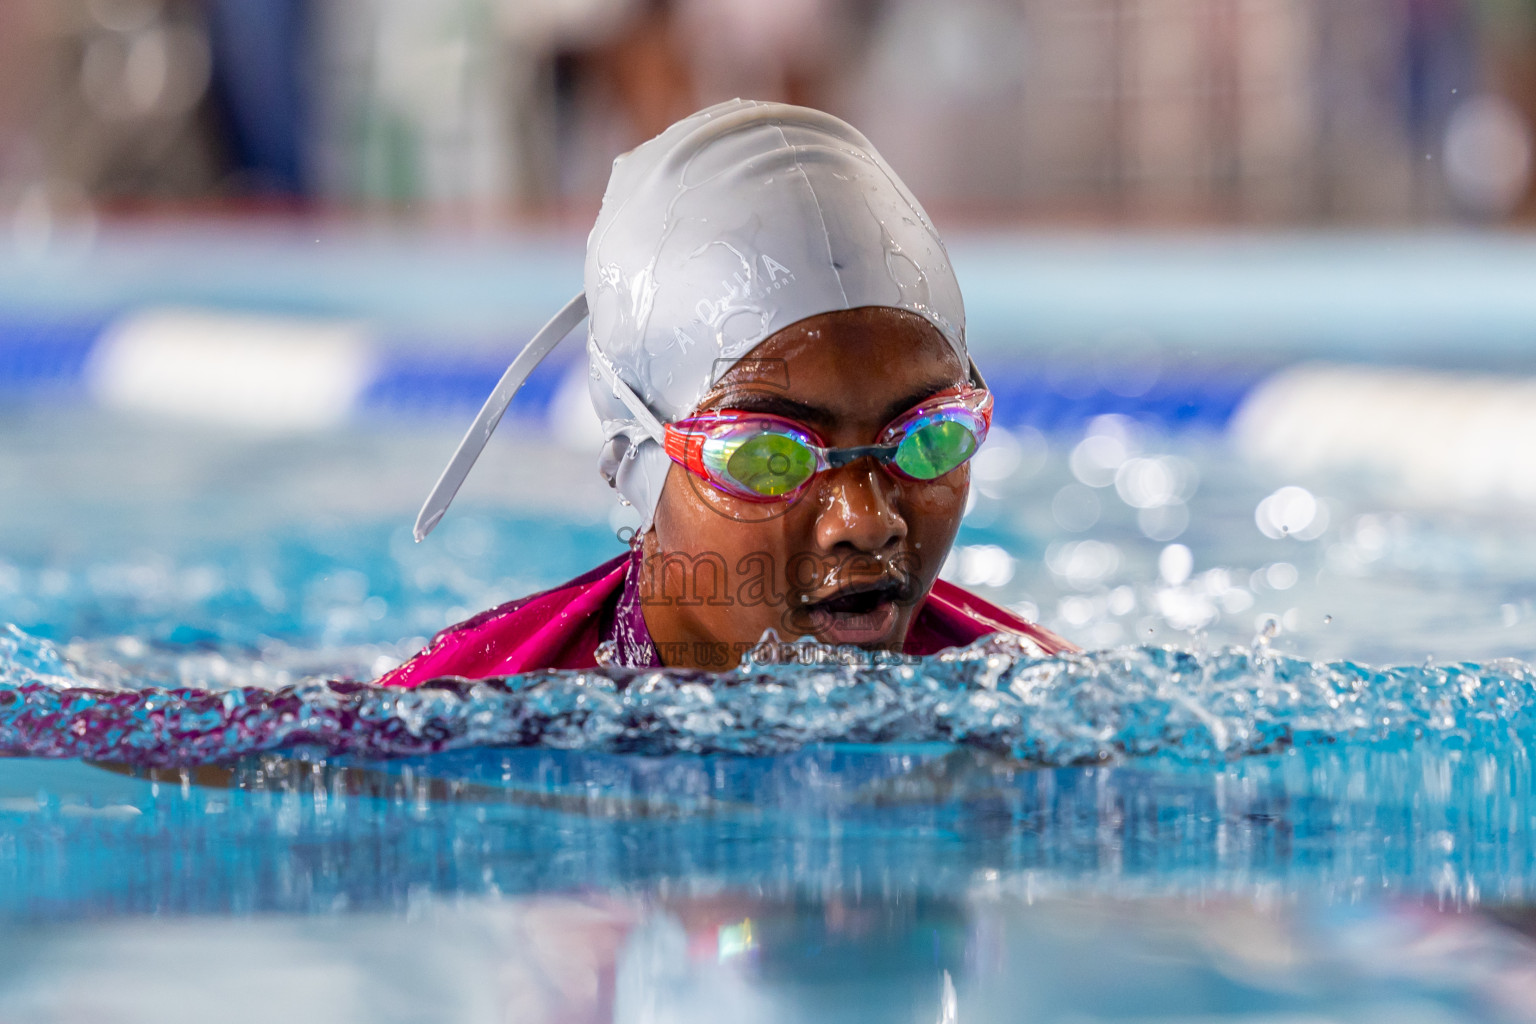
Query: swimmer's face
(848, 560)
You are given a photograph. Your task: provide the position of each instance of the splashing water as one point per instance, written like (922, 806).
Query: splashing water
(28, 661)
(1078, 709)
(205, 623)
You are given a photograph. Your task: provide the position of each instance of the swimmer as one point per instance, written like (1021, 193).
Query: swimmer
(776, 350)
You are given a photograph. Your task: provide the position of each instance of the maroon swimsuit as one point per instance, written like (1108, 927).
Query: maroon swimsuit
(562, 628)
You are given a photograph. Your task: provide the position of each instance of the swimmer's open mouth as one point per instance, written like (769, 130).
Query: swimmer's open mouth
(863, 598)
(861, 613)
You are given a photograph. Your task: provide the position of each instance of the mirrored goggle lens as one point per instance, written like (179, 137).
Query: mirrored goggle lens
(936, 447)
(769, 464)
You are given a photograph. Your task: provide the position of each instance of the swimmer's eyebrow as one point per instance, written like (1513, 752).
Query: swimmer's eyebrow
(774, 405)
(921, 394)
(814, 415)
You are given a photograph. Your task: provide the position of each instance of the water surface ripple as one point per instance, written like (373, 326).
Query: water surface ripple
(1105, 706)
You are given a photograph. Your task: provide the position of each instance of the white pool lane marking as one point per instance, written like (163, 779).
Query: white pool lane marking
(1438, 438)
(247, 370)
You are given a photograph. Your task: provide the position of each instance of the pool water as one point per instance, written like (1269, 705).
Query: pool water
(1290, 779)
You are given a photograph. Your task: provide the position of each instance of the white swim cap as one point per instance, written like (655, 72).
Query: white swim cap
(729, 226)
(726, 228)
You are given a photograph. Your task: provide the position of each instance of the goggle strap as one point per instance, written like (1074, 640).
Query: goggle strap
(977, 380)
(542, 344)
(624, 393)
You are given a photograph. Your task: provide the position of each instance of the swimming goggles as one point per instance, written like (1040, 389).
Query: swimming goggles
(750, 455)
(762, 457)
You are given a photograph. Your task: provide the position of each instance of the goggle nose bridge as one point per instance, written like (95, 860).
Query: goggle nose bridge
(837, 458)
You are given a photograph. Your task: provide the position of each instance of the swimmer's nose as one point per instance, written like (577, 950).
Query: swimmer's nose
(858, 509)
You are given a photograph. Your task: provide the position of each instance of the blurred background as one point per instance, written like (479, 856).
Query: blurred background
(500, 112)
(1254, 283)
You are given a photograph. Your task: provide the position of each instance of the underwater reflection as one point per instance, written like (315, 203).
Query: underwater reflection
(279, 834)
(661, 955)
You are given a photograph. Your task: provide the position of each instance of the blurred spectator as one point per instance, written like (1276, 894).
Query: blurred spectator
(1272, 111)
(943, 97)
(101, 100)
(258, 49)
(782, 50)
(1507, 118)
(626, 87)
